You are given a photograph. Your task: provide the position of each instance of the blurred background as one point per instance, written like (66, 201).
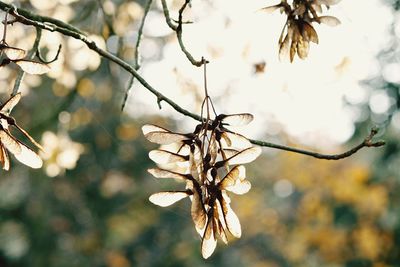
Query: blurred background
(88, 205)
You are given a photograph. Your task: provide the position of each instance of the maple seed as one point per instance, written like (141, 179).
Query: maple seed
(9, 143)
(298, 31)
(202, 160)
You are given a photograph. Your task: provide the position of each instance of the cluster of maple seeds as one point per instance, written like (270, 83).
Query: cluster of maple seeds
(210, 161)
(298, 31)
(8, 142)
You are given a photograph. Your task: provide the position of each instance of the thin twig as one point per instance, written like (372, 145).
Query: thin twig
(178, 30)
(367, 142)
(137, 53)
(30, 20)
(31, 55)
(107, 19)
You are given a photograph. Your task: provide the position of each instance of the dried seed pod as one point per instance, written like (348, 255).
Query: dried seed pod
(210, 150)
(298, 32)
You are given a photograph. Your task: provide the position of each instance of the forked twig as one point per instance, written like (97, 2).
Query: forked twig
(178, 30)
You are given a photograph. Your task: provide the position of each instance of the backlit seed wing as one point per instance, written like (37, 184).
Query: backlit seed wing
(29, 137)
(284, 48)
(14, 53)
(238, 119)
(198, 213)
(164, 138)
(4, 159)
(240, 187)
(7, 107)
(10, 142)
(160, 173)
(231, 219)
(309, 33)
(219, 221)
(231, 177)
(29, 157)
(235, 140)
(209, 241)
(168, 198)
(32, 67)
(302, 48)
(228, 152)
(147, 128)
(160, 156)
(245, 156)
(235, 181)
(329, 20)
(293, 50)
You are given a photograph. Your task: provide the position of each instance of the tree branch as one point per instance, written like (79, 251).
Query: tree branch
(367, 142)
(178, 30)
(57, 26)
(137, 53)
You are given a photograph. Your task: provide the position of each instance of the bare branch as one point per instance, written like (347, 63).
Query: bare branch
(137, 53)
(367, 142)
(178, 30)
(30, 19)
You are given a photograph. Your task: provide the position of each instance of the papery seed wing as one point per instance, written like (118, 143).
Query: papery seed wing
(29, 137)
(228, 152)
(284, 48)
(10, 142)
(231, 219)
(7, 107)
(303, 47)
(270, 9)
(147, 128)
(32, 67)
(235, 140)
(198, 213)
(231, 177)
(219, 221)
(209, 242)
(240, 187)
(235, 181)
(240, 119)
(245, 156)
(309, 33)
(167, 198)
(13, 53)
(4, 159)
(329, 20)
(160, 156)
(160, 173)
(29, 157)
(165, 138)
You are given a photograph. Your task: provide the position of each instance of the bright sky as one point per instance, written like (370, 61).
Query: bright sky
(305, 99)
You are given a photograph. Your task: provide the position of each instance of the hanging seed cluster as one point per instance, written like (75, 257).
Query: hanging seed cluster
(8, 142)
(298, 31)
(209, 160)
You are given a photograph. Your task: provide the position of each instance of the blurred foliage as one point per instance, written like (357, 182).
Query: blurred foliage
(95, 212)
